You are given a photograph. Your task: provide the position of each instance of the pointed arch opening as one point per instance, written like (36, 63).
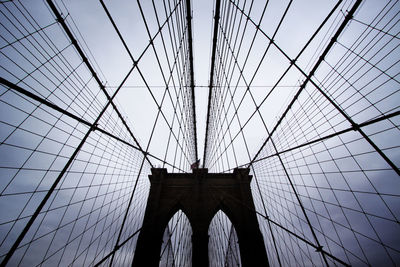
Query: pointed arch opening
(223, 245)
(176, 248)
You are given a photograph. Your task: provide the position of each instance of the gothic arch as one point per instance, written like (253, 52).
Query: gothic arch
(221, 206)
(178, 227)
(175, 209)
(200, 195)
(228, 241)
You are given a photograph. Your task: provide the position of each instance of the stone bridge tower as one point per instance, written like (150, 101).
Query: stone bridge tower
(200, 195)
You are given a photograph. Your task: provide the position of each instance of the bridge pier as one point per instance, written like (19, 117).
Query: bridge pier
(200, 195)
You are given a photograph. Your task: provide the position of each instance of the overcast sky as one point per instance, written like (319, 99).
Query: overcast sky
(348, 189)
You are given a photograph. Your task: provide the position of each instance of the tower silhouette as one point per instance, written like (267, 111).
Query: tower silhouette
(285, 153)
(200, 195)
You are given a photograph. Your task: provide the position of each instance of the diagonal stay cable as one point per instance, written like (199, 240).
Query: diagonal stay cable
(285, 72)
(309, 79)
(58, 179)
(77, 118)
(164, 78)
(222, 72)
(247, 84)
(150, 44)
(136, 62)
(180, 77)
(190, 41)
(152, 95)
(92, 71)
(92, 128)
(317, 247)
(214, 48)
(352, 128)
(344, 23)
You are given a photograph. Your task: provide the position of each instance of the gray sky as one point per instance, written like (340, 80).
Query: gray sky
(348, 189)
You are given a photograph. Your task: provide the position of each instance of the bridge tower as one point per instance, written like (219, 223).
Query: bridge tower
(200, 195)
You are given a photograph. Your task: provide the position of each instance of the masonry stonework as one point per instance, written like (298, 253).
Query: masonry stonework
(200, 195)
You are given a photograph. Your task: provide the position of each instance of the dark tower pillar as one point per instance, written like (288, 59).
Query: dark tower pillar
(149, 243)
(200, 195)
(200, 248)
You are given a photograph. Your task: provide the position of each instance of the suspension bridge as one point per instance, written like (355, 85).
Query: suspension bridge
(97, 95)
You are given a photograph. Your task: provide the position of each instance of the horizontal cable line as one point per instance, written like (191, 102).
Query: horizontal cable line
(73, 203)
(75, 117)
(68, 223)
(87, 229)
(300, 219)
(379, 30)
(336, 222)
(58, 54)
(308, 76)
(318, 248)
(93, 72)
(292, 62)
(78, 187)
(333, 131)
(353, 128)
(201, 86)
(150, 44)
(30, 34)
(332, 204)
